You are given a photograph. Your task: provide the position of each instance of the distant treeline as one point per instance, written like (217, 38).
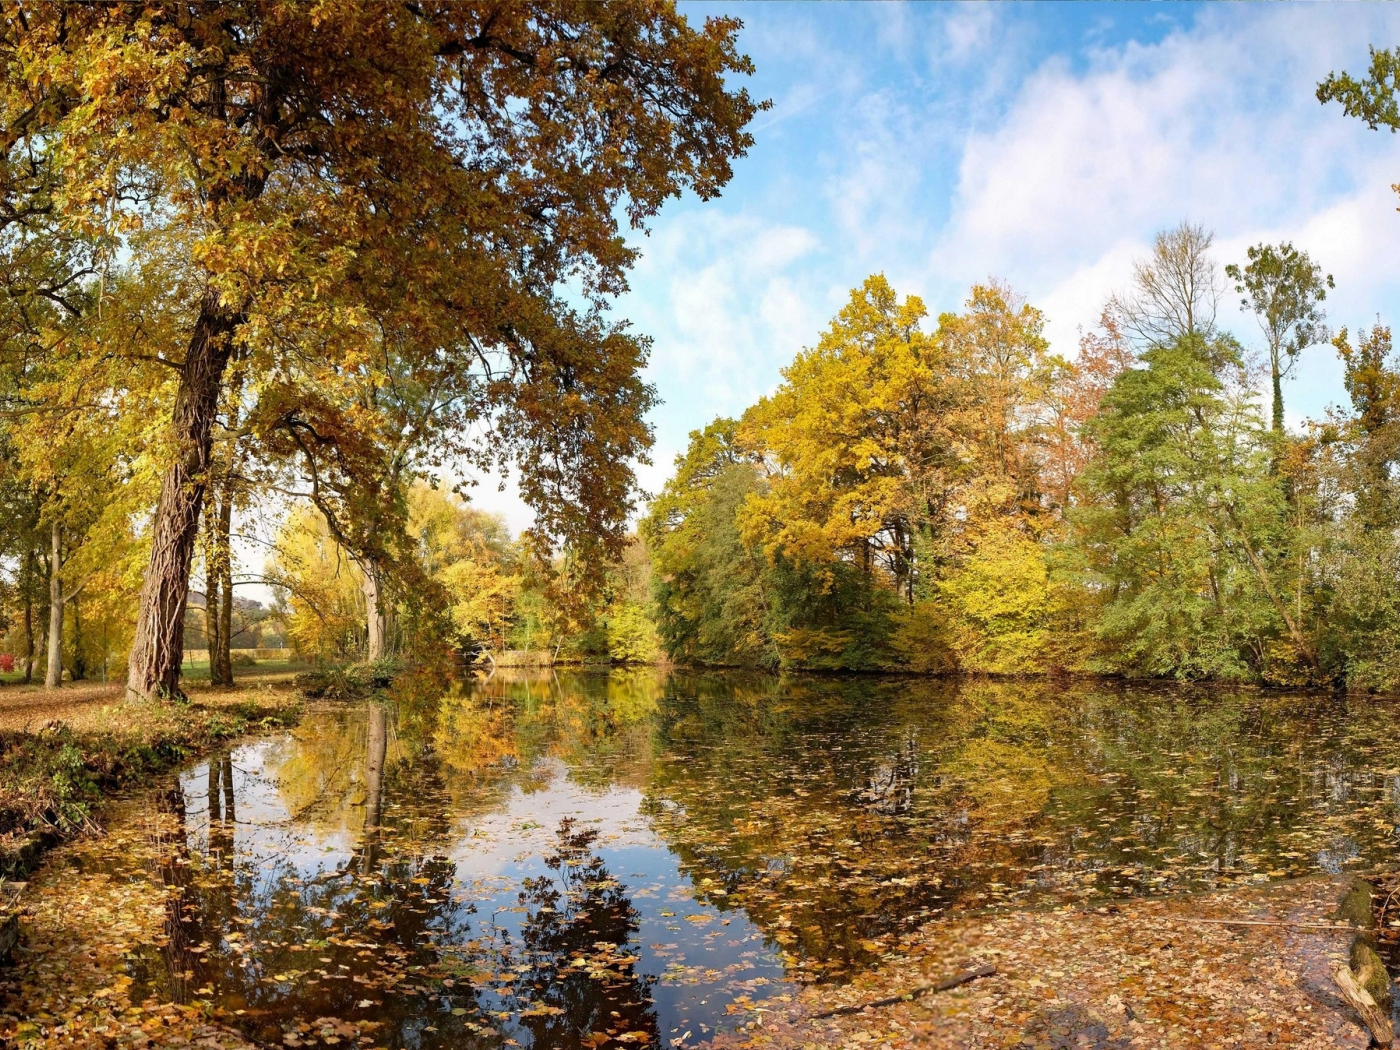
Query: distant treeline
(956, 497)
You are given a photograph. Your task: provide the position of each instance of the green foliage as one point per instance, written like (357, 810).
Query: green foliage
(1371, 99)
(1184, 522)
(709, 587)
(631, 634)
(1284, 288)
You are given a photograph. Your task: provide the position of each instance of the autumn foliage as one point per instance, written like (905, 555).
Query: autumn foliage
(328, 228)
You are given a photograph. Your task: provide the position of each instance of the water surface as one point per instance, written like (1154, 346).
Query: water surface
(643, 859)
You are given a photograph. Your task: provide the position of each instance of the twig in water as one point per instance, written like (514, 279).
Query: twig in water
(985, 970)
(1266, 922)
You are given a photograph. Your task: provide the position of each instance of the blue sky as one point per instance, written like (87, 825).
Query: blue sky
(1042, 144)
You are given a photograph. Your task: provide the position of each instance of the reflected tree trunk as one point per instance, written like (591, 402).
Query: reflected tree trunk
(228, 788)
(183, 929)
(376, 749)
(214, 797)
(221, 818)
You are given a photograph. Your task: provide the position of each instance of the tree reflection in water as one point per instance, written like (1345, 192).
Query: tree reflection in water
(380, 946)
(577, 944)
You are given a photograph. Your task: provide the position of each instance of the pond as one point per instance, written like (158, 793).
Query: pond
(639, 858)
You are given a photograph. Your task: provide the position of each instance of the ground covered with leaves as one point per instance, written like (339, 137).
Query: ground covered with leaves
(63, 751)
(1153, 973)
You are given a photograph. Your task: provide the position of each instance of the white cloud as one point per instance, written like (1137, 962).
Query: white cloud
(969, 29)
(1217, 124)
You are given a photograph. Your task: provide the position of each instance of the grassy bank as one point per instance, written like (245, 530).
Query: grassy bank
(67, 755)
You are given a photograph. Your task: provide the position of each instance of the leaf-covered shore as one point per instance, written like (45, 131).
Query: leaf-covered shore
(58, 766)
(1152, 973)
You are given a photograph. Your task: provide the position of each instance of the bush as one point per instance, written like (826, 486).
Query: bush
(349, 683)
(999, 601)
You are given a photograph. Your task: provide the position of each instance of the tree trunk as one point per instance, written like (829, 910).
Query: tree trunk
(29, 619)
(224, 526)
(1278, 401)
(53, 676)
(160, 626)
(211, 608)
(79, 663)
(376, 647)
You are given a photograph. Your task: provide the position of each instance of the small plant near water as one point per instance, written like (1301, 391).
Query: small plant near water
(350, 682)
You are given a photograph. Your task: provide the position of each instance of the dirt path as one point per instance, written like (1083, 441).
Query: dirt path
(28, 707)
(1142, 974)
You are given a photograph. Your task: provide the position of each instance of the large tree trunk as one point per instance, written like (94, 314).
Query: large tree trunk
(1278, 401)
(160, 626)
(53, 676)
(377, 646)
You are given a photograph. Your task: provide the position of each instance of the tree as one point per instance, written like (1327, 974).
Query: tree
(840, 436)
(1076, 392)
(709, 588)
(1176, 290)
(1185, 527)
(1371, 436)
(481, 152)
(1284, 288)
(322, 587)
(1001, 371)
(1371, 99)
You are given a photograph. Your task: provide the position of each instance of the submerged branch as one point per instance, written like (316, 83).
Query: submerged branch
(985, 970)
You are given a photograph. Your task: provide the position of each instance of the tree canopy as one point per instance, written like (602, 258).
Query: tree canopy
(348, 194)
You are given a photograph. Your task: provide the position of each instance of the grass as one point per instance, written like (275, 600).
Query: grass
(62, 751)
(197, 670)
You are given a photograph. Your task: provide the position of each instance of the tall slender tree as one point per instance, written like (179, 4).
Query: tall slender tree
(1284, 289)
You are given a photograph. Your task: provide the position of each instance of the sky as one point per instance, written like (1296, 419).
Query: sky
(1043, 144)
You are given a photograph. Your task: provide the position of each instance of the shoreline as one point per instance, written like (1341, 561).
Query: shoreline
(58, 775)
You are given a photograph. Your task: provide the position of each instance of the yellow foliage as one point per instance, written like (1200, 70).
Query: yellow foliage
(922, 639)
(469, 552)
(325, 597)
(998, 601)
(838, 434)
